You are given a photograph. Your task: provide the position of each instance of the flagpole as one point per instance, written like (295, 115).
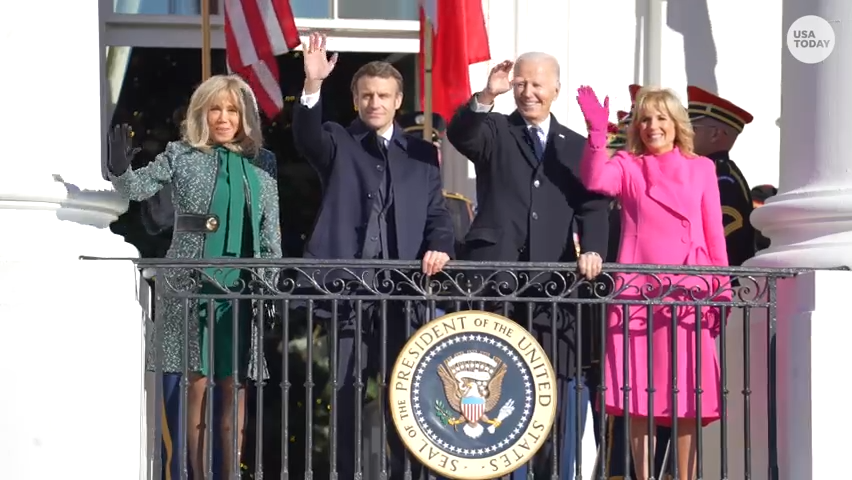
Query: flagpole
(427, 80)
(205, 40)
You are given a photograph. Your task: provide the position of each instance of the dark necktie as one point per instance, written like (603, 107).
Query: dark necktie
(535, 142)
(383, 147)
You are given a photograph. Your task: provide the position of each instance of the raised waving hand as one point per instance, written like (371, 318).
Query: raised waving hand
(318, 65)
(595, 113)
(120, 148)
(499, 82)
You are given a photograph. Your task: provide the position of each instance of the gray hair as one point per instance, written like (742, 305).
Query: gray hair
(538, 57)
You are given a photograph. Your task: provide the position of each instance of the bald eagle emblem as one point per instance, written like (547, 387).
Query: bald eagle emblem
(472, 384)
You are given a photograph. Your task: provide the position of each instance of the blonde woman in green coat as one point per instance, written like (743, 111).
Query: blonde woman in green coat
(225, 196)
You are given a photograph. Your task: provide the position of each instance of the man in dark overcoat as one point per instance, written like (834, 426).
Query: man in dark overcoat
(382, 200)
(529, 196)
(460, 207)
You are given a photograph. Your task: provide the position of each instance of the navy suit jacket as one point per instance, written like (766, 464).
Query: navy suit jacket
(527, 207)
(350, 179)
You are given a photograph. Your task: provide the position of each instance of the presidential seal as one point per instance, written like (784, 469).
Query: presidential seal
(473, 395)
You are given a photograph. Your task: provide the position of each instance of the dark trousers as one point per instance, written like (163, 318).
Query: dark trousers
(349, 368)
(616, 457)
(569, 433)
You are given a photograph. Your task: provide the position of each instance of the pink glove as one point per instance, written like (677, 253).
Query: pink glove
(596, 115)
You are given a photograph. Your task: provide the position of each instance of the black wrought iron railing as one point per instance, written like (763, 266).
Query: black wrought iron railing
(324, 369)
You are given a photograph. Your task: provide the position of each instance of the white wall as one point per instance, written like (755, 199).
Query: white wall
(599, 44)
(70, 350)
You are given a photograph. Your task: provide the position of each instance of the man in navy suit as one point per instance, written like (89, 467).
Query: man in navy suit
(530, 198)
(382, 199)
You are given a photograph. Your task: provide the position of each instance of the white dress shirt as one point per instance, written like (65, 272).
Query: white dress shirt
(544, 127)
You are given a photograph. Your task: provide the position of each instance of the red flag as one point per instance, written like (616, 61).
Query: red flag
(256, 31)
(460, 39)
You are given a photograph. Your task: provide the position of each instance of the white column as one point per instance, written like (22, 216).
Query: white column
(70, 346)
(810, 221)
(810, 225)
(812, 331)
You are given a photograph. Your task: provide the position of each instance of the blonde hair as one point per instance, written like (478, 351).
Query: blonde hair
(196, 132)
(664, 100)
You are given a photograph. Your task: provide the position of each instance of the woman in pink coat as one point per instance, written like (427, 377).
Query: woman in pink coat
(670, 215)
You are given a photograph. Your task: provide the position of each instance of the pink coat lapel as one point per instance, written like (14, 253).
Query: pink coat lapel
(665, 188)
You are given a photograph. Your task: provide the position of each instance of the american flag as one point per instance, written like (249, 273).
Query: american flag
(256, 31)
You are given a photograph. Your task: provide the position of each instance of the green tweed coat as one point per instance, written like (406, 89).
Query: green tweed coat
(192, 174)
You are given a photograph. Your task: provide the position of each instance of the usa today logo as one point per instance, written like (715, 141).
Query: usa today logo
(810, 39)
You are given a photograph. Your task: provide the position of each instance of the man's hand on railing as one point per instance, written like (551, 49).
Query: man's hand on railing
(590, 265)
(433, 262)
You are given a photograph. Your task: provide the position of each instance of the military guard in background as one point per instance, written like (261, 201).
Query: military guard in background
(717, 123)
(759, 195)
(461, 208)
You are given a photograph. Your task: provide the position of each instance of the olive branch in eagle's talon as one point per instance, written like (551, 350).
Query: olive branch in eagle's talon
(443, 414)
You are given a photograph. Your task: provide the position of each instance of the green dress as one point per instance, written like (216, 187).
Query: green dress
(174, 346)
(236, 202)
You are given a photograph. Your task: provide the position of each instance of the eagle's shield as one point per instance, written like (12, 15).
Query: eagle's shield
(473, 408)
